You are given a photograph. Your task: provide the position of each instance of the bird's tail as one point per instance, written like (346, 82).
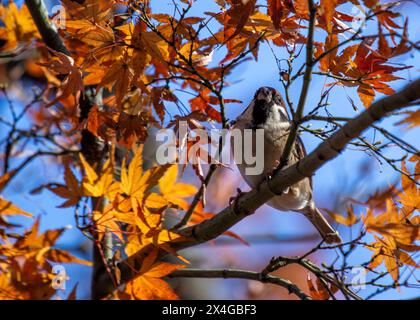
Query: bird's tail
(328, 233)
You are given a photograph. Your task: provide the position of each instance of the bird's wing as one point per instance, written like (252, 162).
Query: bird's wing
(244, 120)
(300, 152)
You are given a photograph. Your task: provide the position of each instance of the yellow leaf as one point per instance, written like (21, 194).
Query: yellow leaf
(175, 192)
(149, 285)
(154, 201)
(6, 207)
(98, 186)
(90, 172)
(349, 220)
(18, 26)
(132, 180)
(71, 191)
(155, 46)
(366, 94)
(402, 232)
(62, 256)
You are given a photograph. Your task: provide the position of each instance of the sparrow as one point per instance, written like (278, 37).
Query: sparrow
(267, 111)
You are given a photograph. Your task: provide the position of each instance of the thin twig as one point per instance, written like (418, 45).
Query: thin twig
(240, 274)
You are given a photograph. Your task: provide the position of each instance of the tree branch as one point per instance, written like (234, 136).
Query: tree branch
(305, 88)
(248, 202)
(47, 30)
(240, 274)
(281, 262)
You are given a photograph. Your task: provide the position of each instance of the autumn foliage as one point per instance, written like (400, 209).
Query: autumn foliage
(128, 69)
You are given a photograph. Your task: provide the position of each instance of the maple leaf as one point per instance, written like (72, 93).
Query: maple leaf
(98, 186)
(29, 280)
(155, 46)
(8, 208)
(319, 291)
(8, 290)
(395, 224)
(40, 246)
(412, 119)
(370, 3)
(277, 11)
(192, 120)
(119, 76)
(349, 220)
(136, 186)
(71, 190)
(18, 26)
(410, 195)
(378, 199)
(38, 242)
(162, 238)
(146, 230)
(106, 221)
(84, 17)
(368, 66)
(175, 192)
(132, 128)
(159, 94)
(134, 182)
(148, 285)
(301, 8)
(202, 102)
(327, 11)
(104, 50)
(102, 123)
(61, 256)
(401, 232)
(72, 84)
(327, 63)
(193, 153)
(388, 252)
(237, 16)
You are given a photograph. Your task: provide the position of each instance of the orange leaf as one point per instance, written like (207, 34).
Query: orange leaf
(175, 192)
(6, 207)
(328, 7)
(318, 292)
(62, 256)
(412, 119)
(275, 11)
(149, 285)
(349, 220)
(366, 94)
(237, 16)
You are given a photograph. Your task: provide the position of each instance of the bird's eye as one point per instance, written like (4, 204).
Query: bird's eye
(274, 93)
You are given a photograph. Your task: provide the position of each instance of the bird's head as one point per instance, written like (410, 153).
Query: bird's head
(265, 94)
(268, 105)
